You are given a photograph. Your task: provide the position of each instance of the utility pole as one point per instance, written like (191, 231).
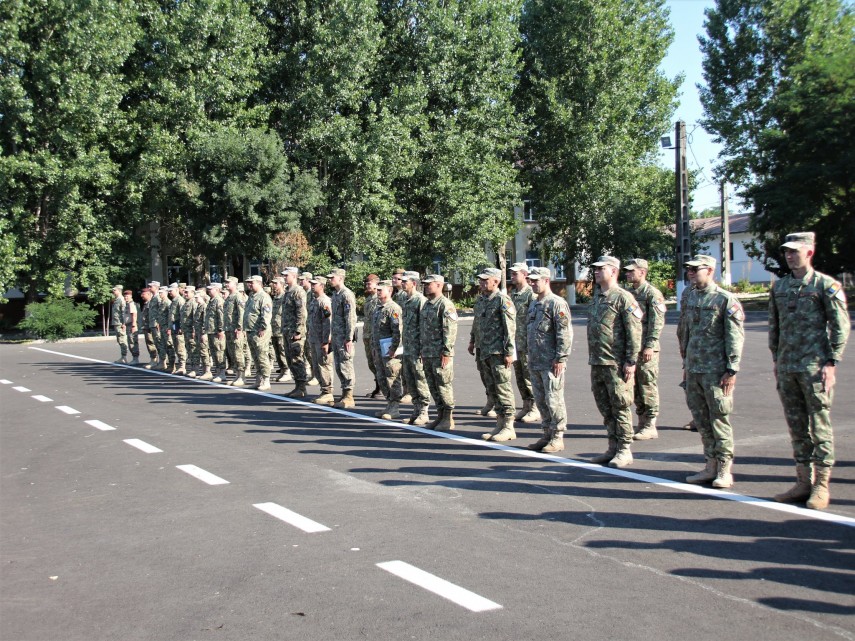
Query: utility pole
(726, 278)
(684, 233)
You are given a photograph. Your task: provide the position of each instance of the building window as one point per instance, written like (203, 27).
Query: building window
(255, 267)
(528, 212)
(558, 268)
(175, 271)
(532, 259)
(436, 265)
(216, 272)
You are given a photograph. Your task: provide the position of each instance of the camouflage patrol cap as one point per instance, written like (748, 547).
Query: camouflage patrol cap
(306, 276)
(384, 283)
(255, 278)
(154, 283)
(234, 280)
(215, 285)
(433, 278)
(241, 288)
(318, 280)
(799, 239)
(398, 271)
(173, 287)
(519, 267)
(611, 261)
(162, 290)
(540, 272)
(490, 272)
(118, 287)
(701, 260)
(639, 263)
(337, 272)
(190, 288)
(290, 270)
(278, 279)
(182, 285)
(411, 276)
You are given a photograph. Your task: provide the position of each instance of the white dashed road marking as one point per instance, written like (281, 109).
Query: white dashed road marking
(43, 399)
(100, 425)
(142, 445)
(292, 518)
(202, 475)
(67, 409)
(5, 382)
(20, 388)
(445, 589)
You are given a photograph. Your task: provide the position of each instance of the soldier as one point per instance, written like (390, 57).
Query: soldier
(320, 338)
(496, 329)
(386, 334)
(489, 408)
(305, 281)
(808, 331)
(117, 322)
(131, 320)
(343, 335)
(413, 373)
(256, 323)
(202, 356)
(714, 336)
(522, 296)
(187, 329)
(682, 340)
(646, 390)
(215, 330)
(614, 341)
(437, 334)
(550, 337)
(145, 315)
(233, 312)
(277, 294)
(368, 315)
(166, 349)
(294, 330)
(174, 329)
(400, 297)
(154, 324)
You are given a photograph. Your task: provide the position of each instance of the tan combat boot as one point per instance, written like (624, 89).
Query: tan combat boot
(219, 377)
(346, 401)
(135, 360)
(622, 457)
(487, 436)
(238, 382)
(819, 496)
(556, 443)
(540, 443)
(407, 399)
(507, 432)
(532, 415)
(264, 385)
(724, 478)
(299, 391)
(647, 431)
(207, 375)
(487, 410)
(419, 415)
(802, 489)
(193, 373)
(609, 454)
(380, 413)
(705, 475)
(439, 414)
(392, 411)
(522, 411)
(446, 423)
(152, 364)
(326, 398)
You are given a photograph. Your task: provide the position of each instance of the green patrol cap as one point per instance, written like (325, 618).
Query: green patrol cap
(539, 272)
(318, 279)
(519, 267)
(639, 263)
(701, 260)
(611, 261)
(434, 278)
(799, 239)
(491, 272)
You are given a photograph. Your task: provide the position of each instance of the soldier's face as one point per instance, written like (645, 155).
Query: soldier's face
(632, 276)
(396, 281)
(491, 284)
(383, 294)
(703, 276)
(604, 274)
(187, 295)
(290, 278)
(519, 277)
(370, 287)
(798, 258)
(433, 289)
(335, 281)
(317, 289)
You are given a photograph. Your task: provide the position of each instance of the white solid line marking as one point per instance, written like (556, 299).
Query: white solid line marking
(100, 425)
(766, 504)
(292, 518)
(43, 399)
(21, 388)
(67, 409)
(142, 445)
(202, 475)
(443, 588)
(5, 382)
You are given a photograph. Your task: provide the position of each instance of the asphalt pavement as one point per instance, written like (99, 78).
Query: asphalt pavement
(140, 505)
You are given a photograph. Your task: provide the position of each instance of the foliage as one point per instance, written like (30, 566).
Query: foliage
(661, 274)
(57, 318)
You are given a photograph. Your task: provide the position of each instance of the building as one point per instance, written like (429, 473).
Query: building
(706, 232)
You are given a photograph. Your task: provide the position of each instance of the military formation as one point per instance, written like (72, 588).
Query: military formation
(410, 329)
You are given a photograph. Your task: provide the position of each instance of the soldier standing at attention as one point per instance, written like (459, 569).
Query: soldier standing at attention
(386, 334)
(437, 334)
(202, 356)
(550, 336)
(294, 330)
(174, 330)
(233, 311)
(496, 330)
(215, 331)
(277, 294)
(131, 319)
(117, 322)
(305, 281)
(808, 330)
(646, 390)
(522, 296)
(368, 317)
(614, 341)
(153, 328)
(145, 315)
(320, 338)
(714, 337)
(167, 355)
(188, 333)
(343, 335)
(413, 369)
(400, 297)
(257, 318)
(489, 408)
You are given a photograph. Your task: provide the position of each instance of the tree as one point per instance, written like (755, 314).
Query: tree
(780, 79)
(596, 105)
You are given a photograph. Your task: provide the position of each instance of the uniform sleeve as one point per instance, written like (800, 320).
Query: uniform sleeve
(734, 333)
(326, 321)
(349, 316)
(837, 316)
(219, 319)
(300, 312)
(509, 325)
(655, 320)
(266, 316)
(395, 325)
(449, 328)
(683, 324)
(774, 326)
(562, 323)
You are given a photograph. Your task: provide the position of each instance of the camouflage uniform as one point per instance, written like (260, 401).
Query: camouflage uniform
(387, 324)
(294, 324)
(188, 333)
(214, 324)
(234, 308)
(438, 332)
(368, 308)
(646, 388)
(522, 299)
(343, 331)
(175, 329)
(166, 348)
(257, 318)
(117, 322)
(475, 334)
(153, 328)
(276, 333)
(145, 316)
(494, 326)
(413, 370)
(550, 336)
(202, 356)
(128, 318)
(319, 328)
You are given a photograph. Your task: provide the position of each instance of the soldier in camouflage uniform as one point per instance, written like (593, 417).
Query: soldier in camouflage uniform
(154, 324)
(652, 304)
(808, 331)
(294, 330)
(319, 327)
(400, 297)
(412, 369)
(202, 356)
(305, 281)
(145, 316)
(215, 330)
(522, 296)
(368, 316)
(489, 408)
(131, 319)
(174, 330)
(187, 330)
(496, 328)
(233, 313)
(437, 334)
(166, 349)
(614, 341)
(277, 294)
(550, 337)
(386, 328)
(257, 318)
(117, 322)
(343, 335)
(714, 335)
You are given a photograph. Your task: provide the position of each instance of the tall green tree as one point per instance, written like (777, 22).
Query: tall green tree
(596, 105)
(780, 85)
(62, 132)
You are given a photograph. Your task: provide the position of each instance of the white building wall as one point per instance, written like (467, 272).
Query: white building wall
(742, 266)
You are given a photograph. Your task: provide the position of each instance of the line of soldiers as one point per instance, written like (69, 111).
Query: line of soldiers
(409, 342)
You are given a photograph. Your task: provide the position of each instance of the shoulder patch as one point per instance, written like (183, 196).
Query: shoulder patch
(735, 310)
(508, 304)
(661, 306)
(635, 310)
(835, 290)
(451, 314)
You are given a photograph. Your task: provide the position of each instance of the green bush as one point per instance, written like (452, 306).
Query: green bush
(57, 318)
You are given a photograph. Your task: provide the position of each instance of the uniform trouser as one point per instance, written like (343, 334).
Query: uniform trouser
(277, 341)
(807, 409)
(236, 351)
(414, 380)
(523, 376)
(189, 349)
(646, 387)
(485, 381)
(168, 348)
(203, 354)
(133, 341)
(180, 347)
(498, 384)
(150, 344)
(389, 376)
(259, 348)
(217, 349)
(309, 356)
(549, 397)
(613, 397)
(322, 367)
(440, 382)
(369, 355)
(296, 363)
(121, 339)
(711, 413)
(159, 344)
(343, 366)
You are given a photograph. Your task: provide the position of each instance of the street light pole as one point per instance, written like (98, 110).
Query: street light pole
(683, 230)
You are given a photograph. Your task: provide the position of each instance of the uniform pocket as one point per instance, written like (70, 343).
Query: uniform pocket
(821, 400)
(722, 405)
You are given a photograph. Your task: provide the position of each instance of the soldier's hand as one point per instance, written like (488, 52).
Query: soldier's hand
(471, 349)
(558, 369)
(348, 346)
(444, 361)
(221, 335)
(647, 355)
(509, 360)
(325, 348)
(628, 372)
(829, 375)
(261, 333)
(728, 382)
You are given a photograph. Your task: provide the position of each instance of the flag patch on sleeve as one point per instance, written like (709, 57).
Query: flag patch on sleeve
(836, 291)
(735, 310)
(635, 310)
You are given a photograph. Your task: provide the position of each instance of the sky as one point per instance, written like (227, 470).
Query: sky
(684, 56)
